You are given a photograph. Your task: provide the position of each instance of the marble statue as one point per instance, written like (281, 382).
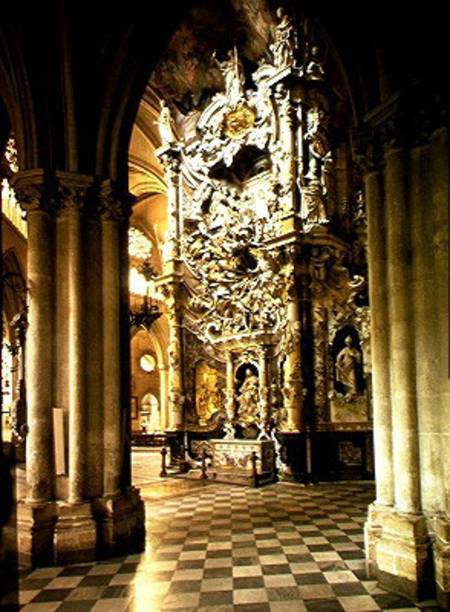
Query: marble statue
(233, 76)
(248, 397)
(347, 362)
(165, 125)
(285, 41)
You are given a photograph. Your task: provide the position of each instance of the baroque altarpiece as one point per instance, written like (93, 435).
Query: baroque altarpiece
(264, 277)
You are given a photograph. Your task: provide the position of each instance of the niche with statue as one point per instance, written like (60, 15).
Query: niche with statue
(348, 397)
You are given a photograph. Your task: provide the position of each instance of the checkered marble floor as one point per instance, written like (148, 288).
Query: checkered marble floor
(283, 548)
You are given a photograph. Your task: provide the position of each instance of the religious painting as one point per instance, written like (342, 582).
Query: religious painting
(208, 398)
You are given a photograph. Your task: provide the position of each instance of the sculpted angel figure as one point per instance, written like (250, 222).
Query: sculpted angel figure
(233, 75)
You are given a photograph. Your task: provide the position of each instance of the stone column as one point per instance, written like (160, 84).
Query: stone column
(426, 333)
(120, 512)
(402, 549)
(170, 287)
(382, 421)
(263, 395)
(439, 165)
(37, 202)
(73, 190)
(293, 380)
(229, 397)
(170, 159)
(112, 214)
(402, 371)
(75, 530)
(35, 515)
(163, 391)
(175, 375)
(382, 415)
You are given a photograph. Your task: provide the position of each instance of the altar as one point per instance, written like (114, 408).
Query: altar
(244, 462)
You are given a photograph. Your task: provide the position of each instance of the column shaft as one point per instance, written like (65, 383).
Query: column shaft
(382, 419)
(175, 378)
(426, 332)
(440, 248)
(402, 374)
(164, 420)
(77, 360)
(111, 357)
(39, 356)
(293, 397)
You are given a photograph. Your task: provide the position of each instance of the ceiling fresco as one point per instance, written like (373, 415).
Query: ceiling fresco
(188, 74)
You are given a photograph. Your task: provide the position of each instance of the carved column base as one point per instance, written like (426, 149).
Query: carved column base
(398, 551)
(372, 533)
(442, 561)
(121, 523)
(35, 525)
(75, 534)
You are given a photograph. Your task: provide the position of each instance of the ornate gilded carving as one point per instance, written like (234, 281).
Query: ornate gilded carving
(239, 121)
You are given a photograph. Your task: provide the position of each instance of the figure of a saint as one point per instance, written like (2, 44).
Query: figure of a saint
(285, 41)
(347, 362)
(314, 68)
(248, 398)
(165, 125)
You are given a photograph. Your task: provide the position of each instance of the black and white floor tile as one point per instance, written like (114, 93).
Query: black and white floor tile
(283, 548)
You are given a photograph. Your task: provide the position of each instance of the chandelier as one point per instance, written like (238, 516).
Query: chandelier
(148, 312)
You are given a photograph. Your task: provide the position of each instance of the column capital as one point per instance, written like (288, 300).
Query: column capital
(367, 150)
(72, 191)
(35, 190)
(114, 204)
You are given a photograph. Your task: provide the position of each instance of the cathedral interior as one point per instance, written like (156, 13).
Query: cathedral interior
(225, 302)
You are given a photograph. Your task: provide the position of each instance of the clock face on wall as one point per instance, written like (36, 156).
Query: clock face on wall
(147, 362)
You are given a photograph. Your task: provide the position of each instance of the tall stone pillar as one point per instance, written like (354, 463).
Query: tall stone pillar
(382, 417)
(402, 383)
(75, 529)
(426, 333)
(64, 519)
(38, 202)
(35, 515)
(439, 165)
(400, 544)
(379, 339)
(120, 511)
(112, 214)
